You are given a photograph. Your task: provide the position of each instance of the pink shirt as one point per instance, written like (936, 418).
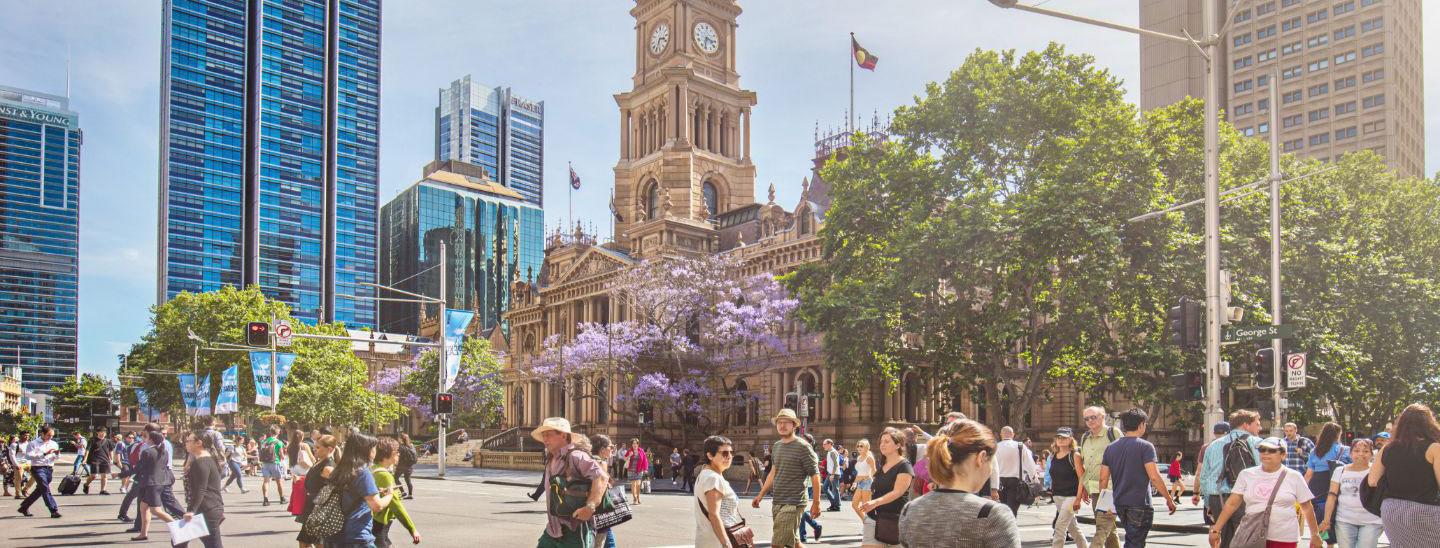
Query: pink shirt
(639, 461)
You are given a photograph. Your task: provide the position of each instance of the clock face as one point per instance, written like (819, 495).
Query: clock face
(706, 38)
(659, 38)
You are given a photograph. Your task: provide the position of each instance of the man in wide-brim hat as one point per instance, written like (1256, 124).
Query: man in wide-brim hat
(563, 458)
(792, 461)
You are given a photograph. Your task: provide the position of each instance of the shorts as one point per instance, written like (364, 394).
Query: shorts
(272, 470)
(864, 484)
(786, 519)
(100, 467)
(869, 535)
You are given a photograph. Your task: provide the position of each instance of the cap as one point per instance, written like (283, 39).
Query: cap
(1273, 443)
(1064, 432)
(1221, 427)
(1385, 435)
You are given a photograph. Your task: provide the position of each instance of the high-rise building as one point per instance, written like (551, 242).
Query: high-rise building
(1349, 72)
(269, 151)
(40, 142)
(493, 237)
(497, 130)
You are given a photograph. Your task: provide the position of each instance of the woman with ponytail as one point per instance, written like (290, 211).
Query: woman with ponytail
(952, 515)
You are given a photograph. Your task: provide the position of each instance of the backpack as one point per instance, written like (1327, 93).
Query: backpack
(135, 449)
(407, 457)
(328, 516)
(1238, 456)
(267, 452)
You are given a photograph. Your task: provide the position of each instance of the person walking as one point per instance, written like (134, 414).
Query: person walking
(960, 462)
(133, 475)
(1097, 437)
(1224, 458)
(1328, 454)
(792, 461)
(864, 476)
(688, 462)
(97, 460)
(752, 462)
(1410, 467)
(1015, 462)
(155, 479)
(717, 507)
(360, 497)
(1173, 473)
(41, 454)
(676, 460)
(603, 450)
(78, 467)
(892, 481)
(806, 519)
(7, 464)
(303, 460)
(565, 460)
(122, 459)
(202, 486)
(235, 458)
(315, 480)
(1065, 472)
(1297, 448)
(1348, 521)
(1273, 490)
(270, 468)
(387, 454)
(638, 463)
(1130, 463)
(831, 475)
(1201, 496)
(404, 467)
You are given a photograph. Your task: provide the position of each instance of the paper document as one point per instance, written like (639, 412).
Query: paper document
(1106, 502)
(187, 530)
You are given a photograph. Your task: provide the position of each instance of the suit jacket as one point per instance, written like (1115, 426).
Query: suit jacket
(153, 470)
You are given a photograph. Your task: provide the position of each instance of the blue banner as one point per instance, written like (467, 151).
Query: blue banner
(455, 323)
(187, 391)
(143, 403)
(229, 400)
(260, 367)
(202, 396)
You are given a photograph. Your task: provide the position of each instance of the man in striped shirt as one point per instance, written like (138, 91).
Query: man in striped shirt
(793, 461)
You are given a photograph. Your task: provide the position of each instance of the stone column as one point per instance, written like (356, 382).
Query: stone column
(745, 113)
(625, 133)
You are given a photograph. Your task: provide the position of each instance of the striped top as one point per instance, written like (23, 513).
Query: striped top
(794, 463)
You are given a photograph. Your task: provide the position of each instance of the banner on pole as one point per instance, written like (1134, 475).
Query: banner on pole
(260, 367)
(143, 402)
(456, 321)
(187, 391)
(229, 400)
(202, 396)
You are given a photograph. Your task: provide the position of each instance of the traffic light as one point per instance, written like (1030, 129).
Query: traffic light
(257, 334)
(1265, 367)
(792, 402)
(443, 403)
(1266, 408)
(1348, 438)
(1188, 386)
(1185, 324)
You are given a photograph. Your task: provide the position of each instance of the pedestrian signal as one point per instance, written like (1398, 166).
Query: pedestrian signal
(443, 403)
(1265, 367)
(1188, 386)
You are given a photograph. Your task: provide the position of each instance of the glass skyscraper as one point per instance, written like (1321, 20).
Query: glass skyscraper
(39, 236)
(492, 235)
(269, 150)
(495, 129)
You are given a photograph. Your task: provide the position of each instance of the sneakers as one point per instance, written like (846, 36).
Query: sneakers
(87, 488)
(23, 512)
(54, 515)
(123, 517)
(104, 492)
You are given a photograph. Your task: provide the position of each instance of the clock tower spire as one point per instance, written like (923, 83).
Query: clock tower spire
(684, 126)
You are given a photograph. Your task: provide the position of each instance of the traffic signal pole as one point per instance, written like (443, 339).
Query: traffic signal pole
(274, 367)
(1275, 304)
(444, 373)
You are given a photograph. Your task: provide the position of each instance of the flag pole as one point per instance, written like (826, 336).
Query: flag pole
(850, 115)
(570, 204)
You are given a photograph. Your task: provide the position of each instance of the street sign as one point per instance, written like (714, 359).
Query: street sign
(1257, 333)
(283, 333)
(1295, 370)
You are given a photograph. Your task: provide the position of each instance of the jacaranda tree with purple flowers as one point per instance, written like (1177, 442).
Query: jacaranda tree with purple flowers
(697, 328)
(478, 391)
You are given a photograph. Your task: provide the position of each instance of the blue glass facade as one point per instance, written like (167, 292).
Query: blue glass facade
(495, 129)
(491, 238)
(269, 151)
(39, 236)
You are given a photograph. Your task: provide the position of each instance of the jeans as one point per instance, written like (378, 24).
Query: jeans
(1065, 523)
(80, 468)
(235, 476)
(1351, 535)
(1137, 521)
(804, 519)
(606, 540)
(41, 489)
(831, 489)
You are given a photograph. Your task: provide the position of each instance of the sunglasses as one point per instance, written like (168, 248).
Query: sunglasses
(725, 453)
(1270, 450)
(1092, 417)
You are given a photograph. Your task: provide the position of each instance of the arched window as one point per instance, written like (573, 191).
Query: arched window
(742, 393)
(652, 201)
(602, 392)
(712, 198)
(804, 221)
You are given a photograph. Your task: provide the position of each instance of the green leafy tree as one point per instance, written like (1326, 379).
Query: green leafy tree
(478, 390)
(79, 399)
(13, 422)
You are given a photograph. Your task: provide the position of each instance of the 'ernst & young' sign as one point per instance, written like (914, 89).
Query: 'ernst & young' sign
(32, 115)
(527, 105)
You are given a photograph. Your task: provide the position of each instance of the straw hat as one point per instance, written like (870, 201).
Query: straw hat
(558, 424)
(786, 414)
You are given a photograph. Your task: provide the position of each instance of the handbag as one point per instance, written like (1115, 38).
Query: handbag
(740, 534)
(1029, 487)
(1254, 528)
(618, 513)
(887, 528)
(1372, 497)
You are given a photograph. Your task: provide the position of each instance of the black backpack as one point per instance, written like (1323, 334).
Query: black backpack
(1238, 456)
(407, 456)
(267, 452)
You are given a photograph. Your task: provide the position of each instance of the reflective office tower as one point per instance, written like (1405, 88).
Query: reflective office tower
(269, 147)
(493, 236)
(1349, 72)
(495, 129)
(39, 236)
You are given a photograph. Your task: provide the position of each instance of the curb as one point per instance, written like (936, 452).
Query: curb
(1166, 527)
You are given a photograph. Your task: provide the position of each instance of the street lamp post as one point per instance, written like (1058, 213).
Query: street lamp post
(1209, 44)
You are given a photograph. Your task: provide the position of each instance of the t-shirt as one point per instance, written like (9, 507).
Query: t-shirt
(729, 507)
(885, 483)
(1321, 463)
(1348, 508)
(358, 516)
(100, 451)
(794, 463)
(946, 518)
(270, 450)
(1256, 484)
(1126, 459)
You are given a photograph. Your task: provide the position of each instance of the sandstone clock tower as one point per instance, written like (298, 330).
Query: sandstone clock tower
(684, 126)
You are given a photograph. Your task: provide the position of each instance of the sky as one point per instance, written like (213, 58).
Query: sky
(572, 54)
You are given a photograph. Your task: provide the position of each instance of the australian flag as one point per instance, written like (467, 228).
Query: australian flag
(574, 179)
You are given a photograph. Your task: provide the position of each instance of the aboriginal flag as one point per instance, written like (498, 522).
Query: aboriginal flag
(862, 57)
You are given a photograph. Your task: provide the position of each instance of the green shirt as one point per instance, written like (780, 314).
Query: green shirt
(1092, 451)
(794, 463)
(383, 480)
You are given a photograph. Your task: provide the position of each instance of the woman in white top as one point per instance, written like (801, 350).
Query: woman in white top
(1254, 486)
(721, 508)
(864, 476)
(1355, 527)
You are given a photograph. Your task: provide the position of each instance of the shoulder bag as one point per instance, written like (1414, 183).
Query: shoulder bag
(1029, 487)
(618, 513)
(740, 534)
(1255, 527)
(1372, 497)
(568, 494)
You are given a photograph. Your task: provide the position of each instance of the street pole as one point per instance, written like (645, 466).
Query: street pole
(1275, 307)
(1211, 43)
(274, 368)
(850, 114)
(443, 376)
